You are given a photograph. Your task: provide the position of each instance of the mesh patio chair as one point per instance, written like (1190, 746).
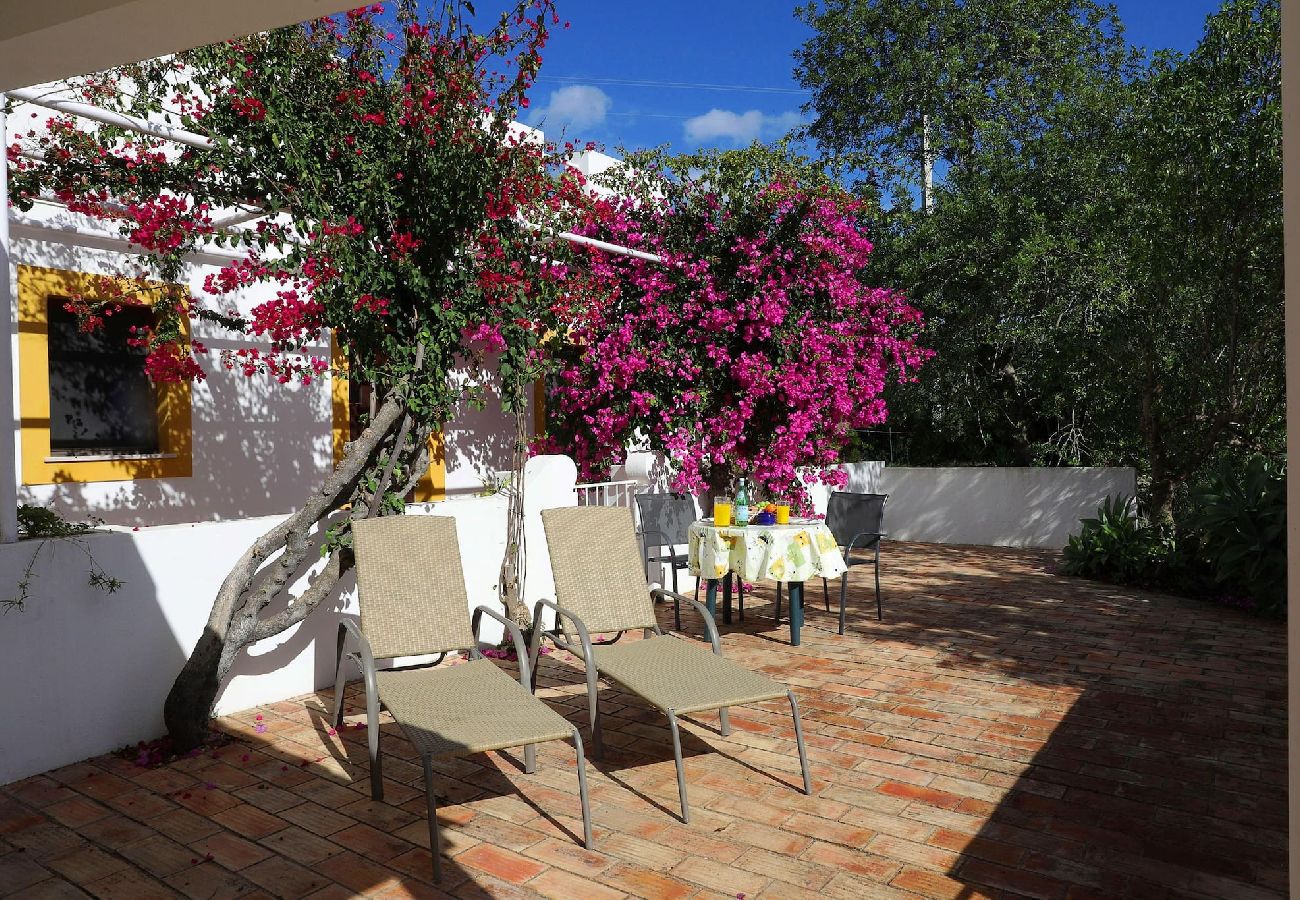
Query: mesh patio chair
(413, 603)
(665, 519)
(600, 580)
(857, 521)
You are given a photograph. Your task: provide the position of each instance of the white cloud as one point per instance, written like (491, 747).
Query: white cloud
(739, 128)
(578, 105)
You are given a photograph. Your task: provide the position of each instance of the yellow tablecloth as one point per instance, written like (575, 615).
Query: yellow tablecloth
(795, 552)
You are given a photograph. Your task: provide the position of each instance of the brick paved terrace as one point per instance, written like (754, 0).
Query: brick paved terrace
(1005, 732)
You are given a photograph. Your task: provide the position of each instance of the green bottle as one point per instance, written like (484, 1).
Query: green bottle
(742, 505)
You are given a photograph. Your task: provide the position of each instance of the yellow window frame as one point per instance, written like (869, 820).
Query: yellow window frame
(36, 285)
(432, 485)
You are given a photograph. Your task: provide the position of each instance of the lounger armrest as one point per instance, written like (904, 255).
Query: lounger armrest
(560, 613)
(363, 654)
(710, 627)
(521, 649)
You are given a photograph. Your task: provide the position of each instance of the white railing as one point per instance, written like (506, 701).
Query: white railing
(605, 493)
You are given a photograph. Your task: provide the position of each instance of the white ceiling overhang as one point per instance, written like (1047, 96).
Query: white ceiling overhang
(47, 40)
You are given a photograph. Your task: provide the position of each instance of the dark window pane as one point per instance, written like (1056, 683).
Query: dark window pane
(101, 401)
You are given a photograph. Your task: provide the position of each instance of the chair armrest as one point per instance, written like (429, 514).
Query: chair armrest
(365, 658)
(521, 649)
(710, 627)
(872, 537)
(560, 612)
(646, 532)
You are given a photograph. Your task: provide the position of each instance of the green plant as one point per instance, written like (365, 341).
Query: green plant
(38, 523)
(1241, 519)
(1119, 545)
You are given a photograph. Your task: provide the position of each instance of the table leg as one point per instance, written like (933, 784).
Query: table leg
(726, 599)
(711, 597)
(796, 611)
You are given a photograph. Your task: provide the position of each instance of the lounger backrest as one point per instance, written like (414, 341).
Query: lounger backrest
(411, 586)
(599, 574)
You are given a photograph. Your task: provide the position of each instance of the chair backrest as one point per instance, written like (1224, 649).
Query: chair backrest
(665, 517)
(599, 574)
(849, 514)
(410, 585)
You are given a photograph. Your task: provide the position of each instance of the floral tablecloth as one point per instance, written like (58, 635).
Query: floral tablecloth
(795, 552)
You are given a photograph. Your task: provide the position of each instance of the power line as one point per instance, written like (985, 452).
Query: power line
(685, 85)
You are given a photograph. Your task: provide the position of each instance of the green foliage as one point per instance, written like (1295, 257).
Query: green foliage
(1107, 288)
(45, 526)
(1230, 543)
(1241, 517)
(1118, 545)
(39, 522)
(966, 75)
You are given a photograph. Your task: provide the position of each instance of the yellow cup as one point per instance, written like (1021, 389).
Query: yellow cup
(721, 513)
(783, 514)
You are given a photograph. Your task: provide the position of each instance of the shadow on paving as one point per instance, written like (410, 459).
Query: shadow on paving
(1133, 744)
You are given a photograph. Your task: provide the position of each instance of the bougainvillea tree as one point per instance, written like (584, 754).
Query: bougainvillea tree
(754, 349)
(393, 192)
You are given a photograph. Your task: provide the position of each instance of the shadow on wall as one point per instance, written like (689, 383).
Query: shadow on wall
(480, 442)
(1002, 506)
(86, 671)
(258, 447)
(303, 655)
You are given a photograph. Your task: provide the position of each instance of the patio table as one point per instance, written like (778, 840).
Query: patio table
(791, 553)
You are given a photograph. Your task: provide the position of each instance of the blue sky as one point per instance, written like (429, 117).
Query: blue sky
(717, 73)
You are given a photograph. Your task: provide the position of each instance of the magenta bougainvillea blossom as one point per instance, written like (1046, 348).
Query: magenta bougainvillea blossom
(755, 348)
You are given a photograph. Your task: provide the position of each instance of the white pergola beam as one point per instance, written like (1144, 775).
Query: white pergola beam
(50, 100)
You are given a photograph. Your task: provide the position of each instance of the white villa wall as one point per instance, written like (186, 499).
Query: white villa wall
(258, 447)
(87, 672)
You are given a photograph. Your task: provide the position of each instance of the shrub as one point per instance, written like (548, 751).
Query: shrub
(1240, 518)
(1119, 545)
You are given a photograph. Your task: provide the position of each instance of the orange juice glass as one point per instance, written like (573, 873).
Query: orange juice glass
(721, 512)
(783, 514)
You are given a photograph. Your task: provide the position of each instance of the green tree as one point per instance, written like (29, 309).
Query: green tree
(1202, 339)
(899, 85)
(395, 195)
(1109, 290)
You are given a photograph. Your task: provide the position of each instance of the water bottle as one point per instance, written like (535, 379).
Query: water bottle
(742, 505)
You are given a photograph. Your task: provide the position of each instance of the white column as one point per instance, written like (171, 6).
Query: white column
(10, 472)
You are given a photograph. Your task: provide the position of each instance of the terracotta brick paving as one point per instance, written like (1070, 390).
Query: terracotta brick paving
(1005, 732)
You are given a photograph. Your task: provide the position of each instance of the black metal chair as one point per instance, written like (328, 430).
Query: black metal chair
(858, 523)
(665, 519)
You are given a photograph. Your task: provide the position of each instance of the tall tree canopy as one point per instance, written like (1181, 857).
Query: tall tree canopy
(895, 82)
(1109, 290)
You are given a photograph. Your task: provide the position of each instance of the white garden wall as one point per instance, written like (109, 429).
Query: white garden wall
(993, 506)
(86, 672)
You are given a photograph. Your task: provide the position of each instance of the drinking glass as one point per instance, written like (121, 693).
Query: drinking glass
(721, 512)
(783, 514)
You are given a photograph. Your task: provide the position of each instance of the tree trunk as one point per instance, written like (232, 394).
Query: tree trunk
(513, 564)
(233, 623)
